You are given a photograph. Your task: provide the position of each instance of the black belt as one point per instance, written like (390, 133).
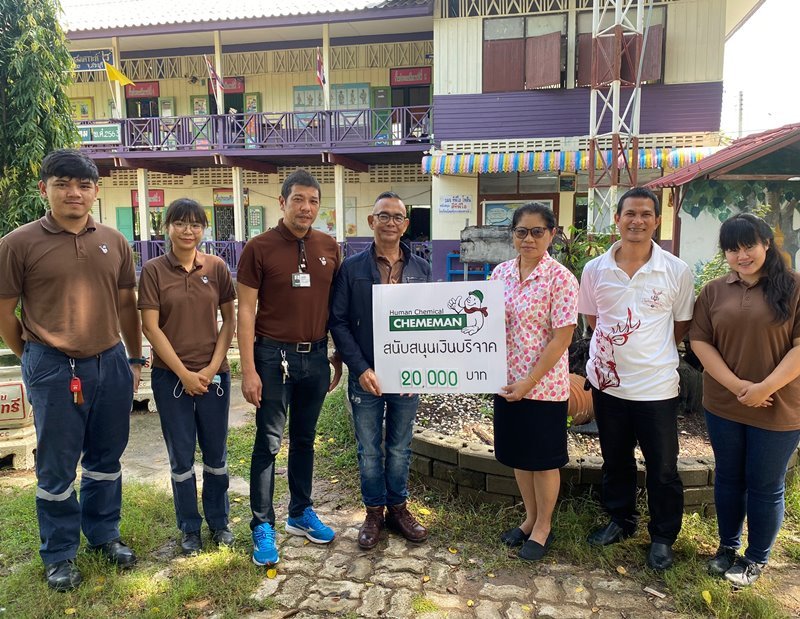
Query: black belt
(302, 347)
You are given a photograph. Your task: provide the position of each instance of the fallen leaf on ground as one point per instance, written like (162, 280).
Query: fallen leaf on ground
(526, 608)
(452, 551)
(334, 480)
(424, 511)
(578, 589)
(331, 440)
(426, 578)
(241, 460)
(369, 584)
(98, 588)
(490, 575)
(70, 611)
(236, 519)
(595, 609)
(707, 597)
(621, 570)
(470, 603)
(272, 572)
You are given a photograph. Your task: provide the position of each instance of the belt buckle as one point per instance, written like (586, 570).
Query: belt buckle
(303, 347)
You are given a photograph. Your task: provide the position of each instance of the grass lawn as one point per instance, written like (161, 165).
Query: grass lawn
(222, 581)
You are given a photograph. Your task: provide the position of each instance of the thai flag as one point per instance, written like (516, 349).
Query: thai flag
(320, 70)
(213, 76)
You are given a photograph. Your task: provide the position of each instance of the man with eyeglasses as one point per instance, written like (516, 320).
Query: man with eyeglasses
(638, 298)
(383, 464)
(285, 276)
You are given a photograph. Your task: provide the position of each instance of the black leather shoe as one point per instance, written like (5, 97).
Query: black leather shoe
(62, 575)
(722, 561)
(117, 552)
(660, 556)
(191, 543)
(222, 537)
(609, 534)
(513, 537)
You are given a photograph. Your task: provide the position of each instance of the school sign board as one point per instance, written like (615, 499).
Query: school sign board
(443, 337)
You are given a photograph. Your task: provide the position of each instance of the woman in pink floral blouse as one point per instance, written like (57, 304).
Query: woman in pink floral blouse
(530, 413)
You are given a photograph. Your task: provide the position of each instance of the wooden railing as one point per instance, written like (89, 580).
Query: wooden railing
(231, 251)
(268, 130)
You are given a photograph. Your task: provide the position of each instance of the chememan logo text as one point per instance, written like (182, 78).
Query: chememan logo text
(441, 322)
(469, 317)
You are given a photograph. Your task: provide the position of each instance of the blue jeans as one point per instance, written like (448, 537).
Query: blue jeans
(95, 432)
(750, 480)
(301, 398)
(186, 421)
(383, 464)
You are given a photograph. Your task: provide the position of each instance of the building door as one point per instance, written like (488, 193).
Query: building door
(223, 223)
(142, 108)
(411, 123)
(125, 222)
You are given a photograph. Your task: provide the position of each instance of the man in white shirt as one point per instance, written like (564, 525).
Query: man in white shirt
(638, 299)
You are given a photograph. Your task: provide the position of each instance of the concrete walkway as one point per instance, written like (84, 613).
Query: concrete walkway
(398, 579)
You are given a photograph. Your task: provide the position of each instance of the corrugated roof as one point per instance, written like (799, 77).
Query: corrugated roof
(86, 15)
(742, 150)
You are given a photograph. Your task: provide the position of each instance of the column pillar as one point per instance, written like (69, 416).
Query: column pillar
(144, 207)
(338, 180)
(238, 203)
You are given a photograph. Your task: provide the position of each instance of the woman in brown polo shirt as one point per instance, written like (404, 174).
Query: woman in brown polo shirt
(746, 332)
(179, 295)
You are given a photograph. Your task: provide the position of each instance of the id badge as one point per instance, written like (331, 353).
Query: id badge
(301, 280)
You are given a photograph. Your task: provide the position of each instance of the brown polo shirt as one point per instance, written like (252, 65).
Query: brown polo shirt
(187, 305)
(286, 313)
(735, 318)
(69, 283)
(390, 272)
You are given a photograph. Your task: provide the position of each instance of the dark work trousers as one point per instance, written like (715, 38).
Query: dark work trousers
(186, 421)
(654, 425)
(95, 432)
(301, 396)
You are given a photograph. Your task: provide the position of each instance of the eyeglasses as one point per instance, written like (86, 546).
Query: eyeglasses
(522, 233)
(181, 226)
(384, 218)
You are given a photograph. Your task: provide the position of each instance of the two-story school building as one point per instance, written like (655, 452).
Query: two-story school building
(465, 108)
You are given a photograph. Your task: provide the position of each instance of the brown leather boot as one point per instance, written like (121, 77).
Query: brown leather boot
(399, 519)
(370, 532)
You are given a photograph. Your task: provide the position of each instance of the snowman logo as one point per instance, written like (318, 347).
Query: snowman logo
(103, 248)
(473, 308)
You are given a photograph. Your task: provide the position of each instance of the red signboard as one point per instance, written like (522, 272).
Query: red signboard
(155, 198)
(413, 76)
(142, 90)
(232, 85)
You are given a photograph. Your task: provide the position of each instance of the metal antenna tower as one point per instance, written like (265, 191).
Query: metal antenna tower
(617, 47)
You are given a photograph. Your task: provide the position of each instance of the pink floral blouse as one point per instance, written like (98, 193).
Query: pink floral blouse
(545, 301)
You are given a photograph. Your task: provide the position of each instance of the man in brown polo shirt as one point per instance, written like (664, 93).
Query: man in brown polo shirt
(76, 281)
(284, 284)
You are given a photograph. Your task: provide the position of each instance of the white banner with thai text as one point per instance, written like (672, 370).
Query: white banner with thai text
(440, 337)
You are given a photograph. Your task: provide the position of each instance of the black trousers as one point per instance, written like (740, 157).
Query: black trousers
(654, 425)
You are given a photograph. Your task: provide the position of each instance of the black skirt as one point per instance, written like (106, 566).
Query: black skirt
(530, 435)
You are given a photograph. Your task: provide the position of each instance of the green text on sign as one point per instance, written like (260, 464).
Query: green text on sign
(444, 322)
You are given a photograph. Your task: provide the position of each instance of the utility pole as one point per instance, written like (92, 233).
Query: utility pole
(741, 113)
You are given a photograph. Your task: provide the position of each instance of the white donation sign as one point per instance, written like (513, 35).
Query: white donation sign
(440, 337)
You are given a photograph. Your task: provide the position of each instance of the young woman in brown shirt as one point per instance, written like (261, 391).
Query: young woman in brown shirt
(179, 296)
(746, 332)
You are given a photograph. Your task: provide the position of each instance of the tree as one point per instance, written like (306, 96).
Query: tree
(35, 116)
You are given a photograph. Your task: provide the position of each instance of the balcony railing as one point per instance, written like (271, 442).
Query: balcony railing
(263, 130)
(231, 251)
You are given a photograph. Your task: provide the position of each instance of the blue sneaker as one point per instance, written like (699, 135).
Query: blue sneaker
(264, 552)
(310, 526)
